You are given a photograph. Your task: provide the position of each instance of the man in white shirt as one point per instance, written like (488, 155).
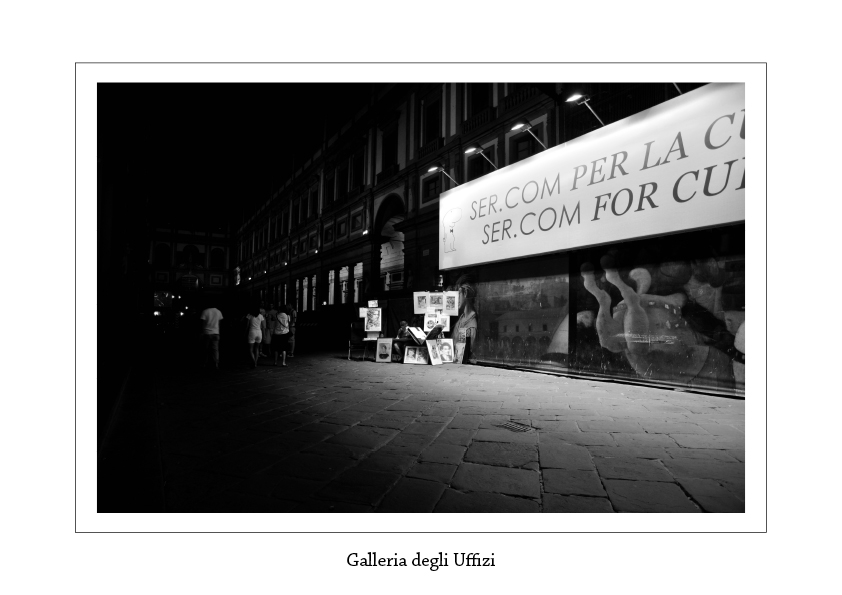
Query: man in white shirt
(210, 335)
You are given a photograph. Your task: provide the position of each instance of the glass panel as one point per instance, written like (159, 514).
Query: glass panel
(669, 309)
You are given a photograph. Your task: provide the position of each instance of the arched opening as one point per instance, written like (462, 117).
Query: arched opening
(390, 214)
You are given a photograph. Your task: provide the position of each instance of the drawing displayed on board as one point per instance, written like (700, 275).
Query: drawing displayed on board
(433, 350)
(436, 301)
(446, 350)
(422, 357)
(451, 303)
(384, 350)
(450, 219)
(420, 299)
(373, 320)
(410, 355)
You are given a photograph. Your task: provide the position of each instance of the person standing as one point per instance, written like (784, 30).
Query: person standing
(293, 315)
(256, 325)
(264, 342)
(280, 337)
(210, 318)
(269, 336)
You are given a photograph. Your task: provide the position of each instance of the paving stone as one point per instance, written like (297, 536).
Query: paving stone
(723, 430)
(359, 485)
(671, 428)
(392, 422)
(412, 495)
(487, 478)
(737, 487)
(499, 435)
(706, 469)
(465, 422)
(581, 438)
(309, 466)
(453, 501)
(337, 450)
(459, 436)
(182, 492)
(433, 471)
(443, 453)
(366, 437)
(638, 452)
(648, 496)
(646, 440)
(555, 426)
(631, 468)
(610, 427)
(502, 454)
(739, 454)
(701, 453)
(345, 417)
(424, 429)
(561, 455)
(241, 463)
(572, 481)
(557, 503)
(322, 428)
(711, 496)
(715, 442)
(386, 462)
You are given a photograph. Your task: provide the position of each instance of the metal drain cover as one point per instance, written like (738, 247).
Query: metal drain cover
(516, 427)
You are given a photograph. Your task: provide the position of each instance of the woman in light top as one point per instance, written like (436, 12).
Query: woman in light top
(256, 325)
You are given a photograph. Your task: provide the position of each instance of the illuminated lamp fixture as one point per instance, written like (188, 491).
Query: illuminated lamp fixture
(583, 99)
(479, 150)
(439, 167)
(365, 232)
(524, 124)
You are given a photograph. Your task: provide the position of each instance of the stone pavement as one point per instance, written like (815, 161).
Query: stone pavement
(325, 434)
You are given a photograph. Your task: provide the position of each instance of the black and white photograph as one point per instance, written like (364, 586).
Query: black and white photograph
(598, 285)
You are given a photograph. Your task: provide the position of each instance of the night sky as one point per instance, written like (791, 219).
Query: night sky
(208, 153)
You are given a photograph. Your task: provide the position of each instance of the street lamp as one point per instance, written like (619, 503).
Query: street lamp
(583, 99)
(524, 124)
(478, 149)
(439, 167)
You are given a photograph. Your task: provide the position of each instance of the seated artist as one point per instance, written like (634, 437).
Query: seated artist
(402, 339)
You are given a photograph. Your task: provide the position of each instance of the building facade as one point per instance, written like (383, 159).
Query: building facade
(360, 221)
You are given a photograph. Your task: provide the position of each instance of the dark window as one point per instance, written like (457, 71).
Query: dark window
(284, 223)
(530, 328)
(517, 328)
(329, 184)
(431, 188)
(545, 327)
(478, 165)
(432, 121)
(328, 235)
(302, 246)
(341, 229)
(356, 221)
(479, 97)
(162, 255)
(314, 241)
(314, 201)
(217, 258)
(284, 257)
(358, 169)
(295, 209)
(505, 328)
(294, 249)
(342, 183)
(390, 147)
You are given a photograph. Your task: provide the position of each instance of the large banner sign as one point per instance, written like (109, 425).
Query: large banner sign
(674, 167)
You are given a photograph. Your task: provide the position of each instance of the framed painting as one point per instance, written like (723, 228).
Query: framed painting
(433, 350)
(446, 350)
(373, 320)
(384, 351)
(420, 301)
